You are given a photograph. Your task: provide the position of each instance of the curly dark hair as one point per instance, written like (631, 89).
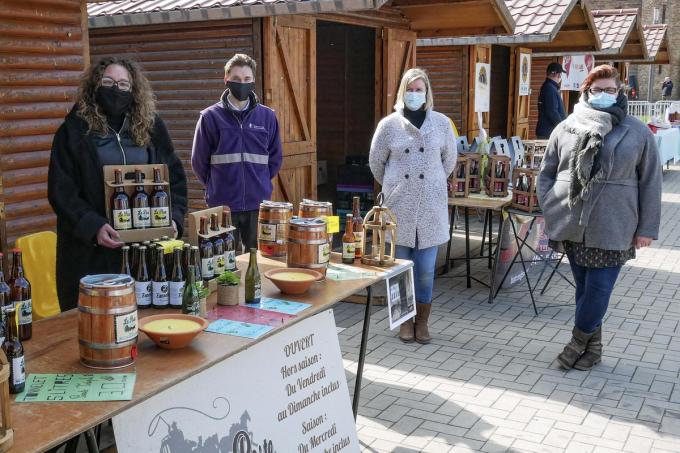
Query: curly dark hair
(143, 107)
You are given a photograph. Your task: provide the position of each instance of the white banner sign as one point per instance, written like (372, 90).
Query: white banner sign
(524, 74)
(401, 298)
(482, 87)
(577, 67)
(287, 394)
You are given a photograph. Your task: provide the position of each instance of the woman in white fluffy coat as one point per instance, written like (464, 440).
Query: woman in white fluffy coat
(412, 154)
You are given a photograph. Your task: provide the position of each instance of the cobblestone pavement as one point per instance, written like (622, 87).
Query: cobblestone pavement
(487, 382)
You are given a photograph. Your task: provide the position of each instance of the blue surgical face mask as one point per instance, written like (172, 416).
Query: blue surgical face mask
(602, 100)
(414, 100)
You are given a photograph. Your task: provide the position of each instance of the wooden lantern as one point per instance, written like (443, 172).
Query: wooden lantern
(524, 195)
(458, 179)
(498, 176)
(6, 432)
(473, 173)
(380, 225)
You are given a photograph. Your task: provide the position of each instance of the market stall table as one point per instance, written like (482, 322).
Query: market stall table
(54, 349)
(668, 142)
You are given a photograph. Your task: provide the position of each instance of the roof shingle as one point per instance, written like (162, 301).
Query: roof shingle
(537, 17)
(654, 36)
(614, 27)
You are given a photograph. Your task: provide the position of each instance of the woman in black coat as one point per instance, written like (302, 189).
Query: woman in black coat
(113, 122)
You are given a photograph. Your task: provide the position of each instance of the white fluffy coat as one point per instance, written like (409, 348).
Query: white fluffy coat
(428, 156)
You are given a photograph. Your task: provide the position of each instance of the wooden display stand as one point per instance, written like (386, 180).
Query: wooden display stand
(473, 173)
(142, 234)
(195, 223)
(497, 186)
(525, 200)
(6, 432)
(534, 153)
(458, 179)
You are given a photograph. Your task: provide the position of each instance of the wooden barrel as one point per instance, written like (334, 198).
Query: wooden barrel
(308, 245)
(107, 321)
(310, 209)
(272, 227)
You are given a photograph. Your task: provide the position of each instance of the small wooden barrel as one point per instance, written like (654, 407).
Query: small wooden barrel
(310, 209)
(272, 227)
(107, 321)
(308, 245)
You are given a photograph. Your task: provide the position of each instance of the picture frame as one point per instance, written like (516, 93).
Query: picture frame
(401, 298)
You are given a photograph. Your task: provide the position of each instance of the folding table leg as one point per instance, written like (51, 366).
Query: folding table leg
(448, 247)
(524, 267)
(486, 224)
(552, 274)
(362, 353)
(91, 440)
(496, 257)
(490, 234)
(468, 272)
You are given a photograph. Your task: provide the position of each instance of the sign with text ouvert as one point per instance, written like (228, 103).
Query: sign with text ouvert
(287, 394)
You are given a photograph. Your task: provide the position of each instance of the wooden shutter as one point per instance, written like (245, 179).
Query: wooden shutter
(522, 104)
(478, 54)
(290, 89)
(399, 55)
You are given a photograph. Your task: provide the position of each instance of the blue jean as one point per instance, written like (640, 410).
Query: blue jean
(594, 287)
(424, 261)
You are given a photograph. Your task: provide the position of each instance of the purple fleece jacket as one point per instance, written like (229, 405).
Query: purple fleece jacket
(236, 154)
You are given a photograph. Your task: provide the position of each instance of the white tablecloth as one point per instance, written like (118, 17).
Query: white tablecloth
(668, 142)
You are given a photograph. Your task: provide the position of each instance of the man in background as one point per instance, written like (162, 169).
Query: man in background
(550, 106)
(666, 89)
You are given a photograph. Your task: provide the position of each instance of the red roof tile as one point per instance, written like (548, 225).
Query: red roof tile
(538, 17)
(654, 36)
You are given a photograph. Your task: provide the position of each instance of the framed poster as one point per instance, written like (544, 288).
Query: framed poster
(401, 298)
(577, 67)
(482, 87)
(524, 74)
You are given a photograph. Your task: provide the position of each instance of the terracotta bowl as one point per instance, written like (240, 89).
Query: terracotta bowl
(173, 340)
(293, 286)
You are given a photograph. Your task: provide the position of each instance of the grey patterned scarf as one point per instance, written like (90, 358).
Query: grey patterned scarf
(590, 125)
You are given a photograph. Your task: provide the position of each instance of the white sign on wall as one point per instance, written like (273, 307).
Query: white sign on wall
(482, 87)
(285, 394)
(577, 67)
(524, 74)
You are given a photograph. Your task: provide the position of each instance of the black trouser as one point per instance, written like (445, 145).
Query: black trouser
(245, 223)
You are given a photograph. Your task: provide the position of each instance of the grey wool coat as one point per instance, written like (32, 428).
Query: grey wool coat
(626, 204)
(412, 165)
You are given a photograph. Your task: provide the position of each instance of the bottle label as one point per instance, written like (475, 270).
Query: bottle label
(258, 291)
(207, 268)
(141, 217)
(324, 253)
(122, 219)
(161, 298)
(126, 327)
(25, 309)
(176, 293)
(266, 232)
(18, 370)
(160, 217)
(348, 250)
(220, 264)
(281, 233)
(143, 293)
(230, 260)
(359, 240)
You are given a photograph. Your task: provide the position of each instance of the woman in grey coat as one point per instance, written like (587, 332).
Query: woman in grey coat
(412, 154)
(600, 190)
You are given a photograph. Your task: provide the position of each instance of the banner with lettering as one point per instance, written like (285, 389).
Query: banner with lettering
(577, 67)
(286, 394)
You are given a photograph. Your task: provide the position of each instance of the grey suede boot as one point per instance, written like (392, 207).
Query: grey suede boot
(574, 349)
(593, 354)
(422, 316)
(407, 332)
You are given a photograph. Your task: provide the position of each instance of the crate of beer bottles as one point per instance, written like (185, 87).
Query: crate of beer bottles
(524, 195)
(138, 201)
(458, 179)
(497, 176)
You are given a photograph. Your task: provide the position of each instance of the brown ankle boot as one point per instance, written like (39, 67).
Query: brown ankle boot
(593, 354)
(422, 315)
(406, 332)
(574, 349)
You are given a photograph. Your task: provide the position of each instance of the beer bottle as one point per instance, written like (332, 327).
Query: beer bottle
(253, 281)
(125, 261)
(134, 258)
(141, 213)
(206, 246)
(218, 246)
(5, 300)
(143, 286)
(15, 354)
(229, 244)
(151, 258)
(190, 295)
(21, 296)
(348, 242)
(357, 228)
(159, 284)
(177, 280)
(195, 260)
(186, 252)
(120, 204)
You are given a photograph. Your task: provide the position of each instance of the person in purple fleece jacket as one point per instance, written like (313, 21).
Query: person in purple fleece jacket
(237, 149)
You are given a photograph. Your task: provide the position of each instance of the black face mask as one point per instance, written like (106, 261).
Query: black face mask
(239, 90)
(113, 101)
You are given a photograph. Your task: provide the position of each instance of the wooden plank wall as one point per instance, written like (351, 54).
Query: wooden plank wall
(538, 68)
(42, 55)
(447, 69)
(185, 64)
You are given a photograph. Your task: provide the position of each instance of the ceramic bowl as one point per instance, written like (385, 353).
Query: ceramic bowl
(293, 286)
(173, 340)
